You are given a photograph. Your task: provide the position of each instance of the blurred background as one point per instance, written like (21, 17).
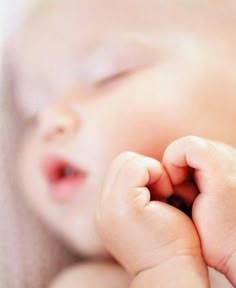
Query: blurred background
(22, 238)
(10, 12)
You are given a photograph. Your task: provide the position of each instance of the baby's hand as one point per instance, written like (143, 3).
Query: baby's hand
(144, 235)
(213, 168)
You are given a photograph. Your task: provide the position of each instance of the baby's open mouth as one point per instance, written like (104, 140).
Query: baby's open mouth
(63, 177)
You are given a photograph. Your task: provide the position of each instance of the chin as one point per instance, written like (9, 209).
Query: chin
(89, 247)
(96, 253)
(91, 251)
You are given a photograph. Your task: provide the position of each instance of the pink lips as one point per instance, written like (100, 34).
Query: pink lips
(64, 178)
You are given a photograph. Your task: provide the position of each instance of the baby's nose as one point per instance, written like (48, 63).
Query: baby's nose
(58, 121)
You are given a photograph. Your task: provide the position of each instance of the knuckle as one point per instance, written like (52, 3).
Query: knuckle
(121, 160)
(134, 164)
(197, 144)
(125, 156)
(141, 163)
(137, 170)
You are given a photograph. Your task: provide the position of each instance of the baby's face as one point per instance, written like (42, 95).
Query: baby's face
(101, 81)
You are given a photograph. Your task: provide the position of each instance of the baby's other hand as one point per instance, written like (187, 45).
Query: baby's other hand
(141, 233)
(212, 166)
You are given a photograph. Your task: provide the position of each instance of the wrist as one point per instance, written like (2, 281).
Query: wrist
(179, 271)
(229, 269)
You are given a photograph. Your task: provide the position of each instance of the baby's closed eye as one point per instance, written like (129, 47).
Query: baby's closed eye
(114, 60)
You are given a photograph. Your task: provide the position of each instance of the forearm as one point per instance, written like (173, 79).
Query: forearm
(181, 271)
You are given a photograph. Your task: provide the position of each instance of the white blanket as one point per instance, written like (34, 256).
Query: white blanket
(29, 255)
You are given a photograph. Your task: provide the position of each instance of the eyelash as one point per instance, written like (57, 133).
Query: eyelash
(114, 78)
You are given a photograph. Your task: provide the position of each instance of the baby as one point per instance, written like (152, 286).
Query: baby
(96, 78)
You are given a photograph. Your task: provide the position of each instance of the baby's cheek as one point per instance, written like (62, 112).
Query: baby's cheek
(28, 169)
(28, 104)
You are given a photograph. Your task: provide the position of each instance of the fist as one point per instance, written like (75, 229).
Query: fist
(141, 233)
(204, 172)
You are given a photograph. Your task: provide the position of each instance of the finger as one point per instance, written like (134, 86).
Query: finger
(126, 194)
(114, 168)
(162, 188)
(130, 180)
(196, 153)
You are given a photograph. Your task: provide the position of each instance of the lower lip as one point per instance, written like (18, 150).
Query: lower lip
(66, 188)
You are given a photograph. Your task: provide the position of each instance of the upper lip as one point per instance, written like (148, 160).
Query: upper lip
(56, 169)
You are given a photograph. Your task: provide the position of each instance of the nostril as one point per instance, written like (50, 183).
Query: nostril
(60, 130)
(56, 131)
(57, 122)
